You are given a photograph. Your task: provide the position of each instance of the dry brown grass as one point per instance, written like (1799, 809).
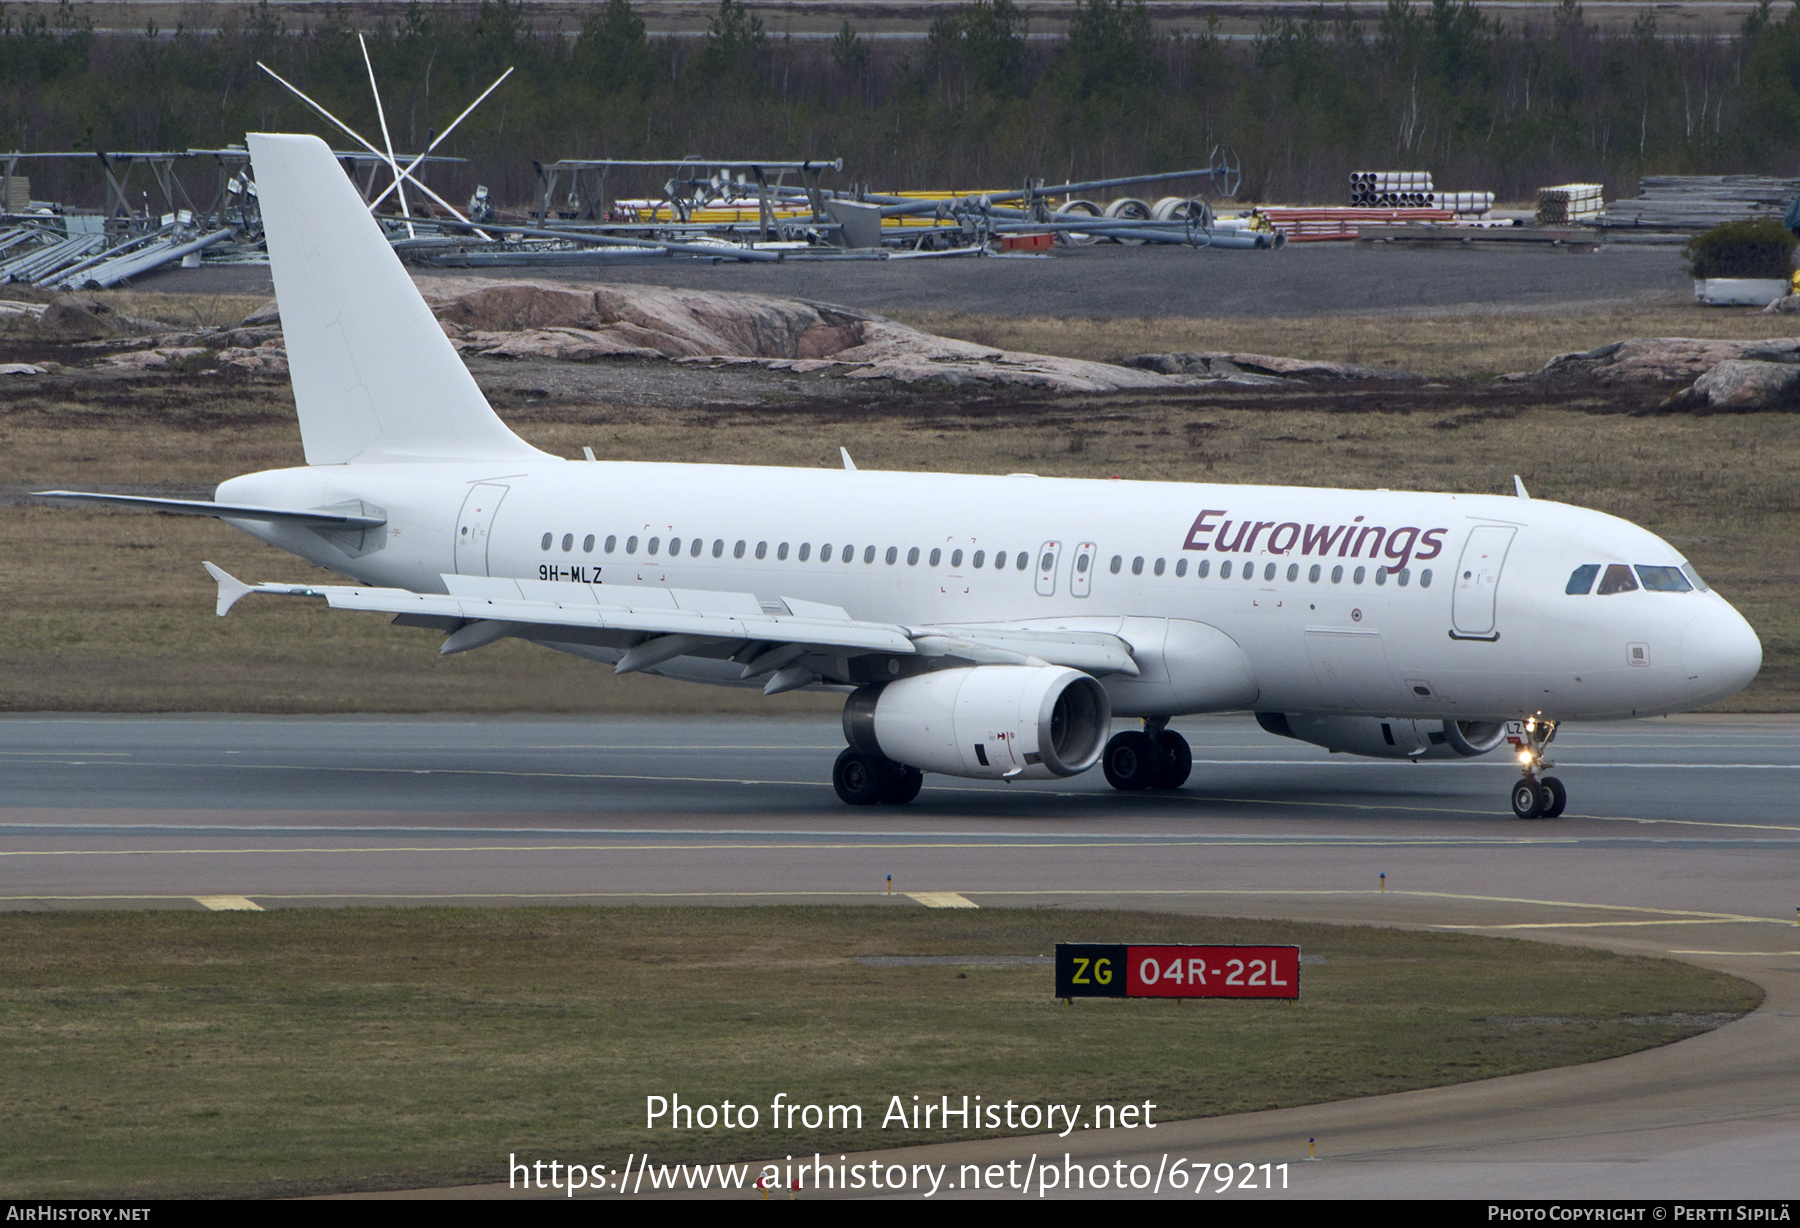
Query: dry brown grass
(1461, 345)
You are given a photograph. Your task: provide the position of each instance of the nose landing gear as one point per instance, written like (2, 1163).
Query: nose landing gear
(1536, 796)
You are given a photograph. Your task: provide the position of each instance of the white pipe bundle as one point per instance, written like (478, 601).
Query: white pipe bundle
(1569, 202)
(1470, 204)
(1392, 190)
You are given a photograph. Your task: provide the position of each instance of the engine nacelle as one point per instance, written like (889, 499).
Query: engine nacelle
(1023, 722)
(1384, 737)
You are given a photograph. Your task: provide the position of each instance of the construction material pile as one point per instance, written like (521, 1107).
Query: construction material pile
(1344, 225)
(1700, 202)
(1391, 190)
(1413, 190)
(1569, 202)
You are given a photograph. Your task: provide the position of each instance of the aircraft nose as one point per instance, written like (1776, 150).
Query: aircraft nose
(1721, 653)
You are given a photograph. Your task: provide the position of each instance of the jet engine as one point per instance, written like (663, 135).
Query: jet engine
(1384, 737)
(1020, 722)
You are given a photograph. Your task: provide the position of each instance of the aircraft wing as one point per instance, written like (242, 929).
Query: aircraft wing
(662, 623)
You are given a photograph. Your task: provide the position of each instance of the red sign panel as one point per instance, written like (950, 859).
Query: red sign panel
(1212, 972)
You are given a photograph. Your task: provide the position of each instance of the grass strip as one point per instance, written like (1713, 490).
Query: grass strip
(287, 1052)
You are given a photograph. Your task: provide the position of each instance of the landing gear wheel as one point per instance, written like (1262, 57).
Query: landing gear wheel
(1132, 760)
(861, 780)
(1177, 760)
(1555, 797)
(904, 784)
(1528, 799)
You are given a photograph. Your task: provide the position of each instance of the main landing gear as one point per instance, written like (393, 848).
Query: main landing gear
(1536, 796)
(862, 779)
(1157, 758)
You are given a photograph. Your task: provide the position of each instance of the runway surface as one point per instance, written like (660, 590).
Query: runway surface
(1682, 838)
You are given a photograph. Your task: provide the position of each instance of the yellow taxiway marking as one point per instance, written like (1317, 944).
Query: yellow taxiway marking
(228, 903)
(942, 899)
(1595, 925)
(1674, 952)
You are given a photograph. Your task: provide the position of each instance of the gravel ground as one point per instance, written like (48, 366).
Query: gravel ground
(1112, 282)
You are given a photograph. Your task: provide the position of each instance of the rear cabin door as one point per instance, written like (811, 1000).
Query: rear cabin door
(1478, 582)
(474, 527)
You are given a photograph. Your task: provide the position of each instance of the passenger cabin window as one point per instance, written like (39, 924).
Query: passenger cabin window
(1137, 565)
(653, 544)
(737, 551)
(674, 547)
(912, 557)
(568, 542)
(781, 552)
(1024, 561)
(1158, 567)
(1663, 579)
(1293, 572)
(805, 549)
(695, 547)
(587, 544)
(936, 554)
(1269, 571)
(762, 550)
(719, 548)
(631, 544)
(1581, 580)
(1617, 579)
(1225, 570)
(893, 555)
(546, 542)
(612, 540)
(1180, 568)
(1117, 563)
(1425, 578)
(1204, 568)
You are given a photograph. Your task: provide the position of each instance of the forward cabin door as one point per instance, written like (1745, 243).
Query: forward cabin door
(474, 527)
(1478, 582)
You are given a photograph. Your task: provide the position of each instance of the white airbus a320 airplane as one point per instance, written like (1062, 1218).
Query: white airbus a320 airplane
(985, 627)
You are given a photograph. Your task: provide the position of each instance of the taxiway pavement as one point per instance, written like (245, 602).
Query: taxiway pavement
(1682, 839)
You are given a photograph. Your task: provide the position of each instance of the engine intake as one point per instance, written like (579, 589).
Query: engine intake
(1021, 722)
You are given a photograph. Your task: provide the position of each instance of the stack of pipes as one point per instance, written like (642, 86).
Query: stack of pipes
(1569, 202)
(1392, 190)
(1700, 202)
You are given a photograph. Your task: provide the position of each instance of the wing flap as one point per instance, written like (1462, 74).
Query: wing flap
(581, 607)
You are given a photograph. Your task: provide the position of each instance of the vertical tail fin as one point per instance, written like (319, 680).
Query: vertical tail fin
(375, 379)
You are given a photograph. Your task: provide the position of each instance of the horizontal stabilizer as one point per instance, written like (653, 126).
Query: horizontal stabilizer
(312, 518)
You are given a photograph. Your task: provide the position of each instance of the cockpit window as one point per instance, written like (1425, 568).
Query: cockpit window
(1687, 569)
(1663, 579)
(1618, 579)
(1581, 580)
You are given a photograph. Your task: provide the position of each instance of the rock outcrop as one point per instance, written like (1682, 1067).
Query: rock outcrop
(1259, 368)
(576, 323)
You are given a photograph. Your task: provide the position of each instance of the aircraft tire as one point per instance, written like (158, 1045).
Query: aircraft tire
(904, 784)
(861, 779)
(1177, 760)
(1132, 760)
(1528, 799)
(1555, 798)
